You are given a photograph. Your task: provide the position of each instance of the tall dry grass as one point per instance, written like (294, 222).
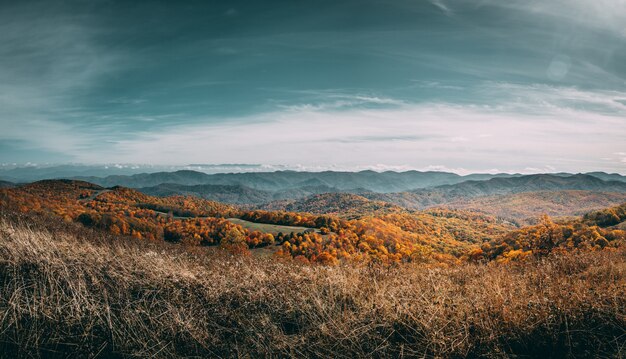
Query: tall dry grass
(66, 291)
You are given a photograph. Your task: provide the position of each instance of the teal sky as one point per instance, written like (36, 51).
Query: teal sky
(467, 85)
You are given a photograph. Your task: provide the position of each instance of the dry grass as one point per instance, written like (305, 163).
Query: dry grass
(66, 291)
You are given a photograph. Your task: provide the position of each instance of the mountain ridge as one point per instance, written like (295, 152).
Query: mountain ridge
(422, 198)
(383, 182)
(416, 199)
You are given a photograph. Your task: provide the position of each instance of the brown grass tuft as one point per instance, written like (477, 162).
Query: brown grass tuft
(67, 291)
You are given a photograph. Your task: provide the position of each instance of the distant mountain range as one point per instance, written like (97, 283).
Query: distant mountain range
(382, 182)
(285, 180)
(422, 198)
(513, 198)
(33, 172)
(517, 199)
(36, 173)
(411, 189)
(529, 183)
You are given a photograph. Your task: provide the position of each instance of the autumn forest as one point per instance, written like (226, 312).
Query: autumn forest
(393, 235)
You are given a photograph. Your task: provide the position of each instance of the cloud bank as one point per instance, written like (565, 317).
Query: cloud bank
(474, 85)
(558, 133)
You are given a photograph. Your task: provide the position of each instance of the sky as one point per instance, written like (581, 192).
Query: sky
(464, 86)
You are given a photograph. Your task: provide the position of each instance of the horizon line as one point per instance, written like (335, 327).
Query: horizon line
(270, 168)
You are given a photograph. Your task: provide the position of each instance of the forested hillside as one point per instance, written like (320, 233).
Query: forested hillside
(595, 231)
(518, 199)
(343, 227)
(194, 221)
(527, 207)
(344, 205)
(440, 195)
(519, 208)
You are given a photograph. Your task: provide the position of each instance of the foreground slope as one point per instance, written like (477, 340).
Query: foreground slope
(70, 291)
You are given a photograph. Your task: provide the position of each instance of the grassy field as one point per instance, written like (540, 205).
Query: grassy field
(269, 228)
(66, 291)
(261, 227)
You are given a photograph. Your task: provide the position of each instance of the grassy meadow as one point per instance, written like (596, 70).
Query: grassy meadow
(67, 289)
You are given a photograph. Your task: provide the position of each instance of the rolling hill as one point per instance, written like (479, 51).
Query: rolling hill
(594, 231)
(344, 205)
(236, 194)
(608, 176)
(239, 194)
(539, 182)
(423, 198)
(184, 177)
(526, 207)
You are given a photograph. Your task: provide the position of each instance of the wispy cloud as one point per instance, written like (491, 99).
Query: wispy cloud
(45, 63)
(337, 101)
(442, 6)
(561, 98)
(608, 15)
(471, 137)
(378, 138)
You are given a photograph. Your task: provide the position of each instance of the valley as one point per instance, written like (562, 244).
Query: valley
(443, 224)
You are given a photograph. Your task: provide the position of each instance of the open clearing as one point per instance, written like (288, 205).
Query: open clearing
(270, 228)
